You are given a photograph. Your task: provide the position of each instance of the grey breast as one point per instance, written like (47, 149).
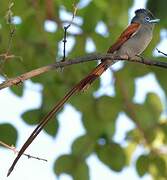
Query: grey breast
(137, 43)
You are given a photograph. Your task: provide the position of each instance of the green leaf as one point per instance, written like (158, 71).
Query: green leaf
(34, 116)
(116, 15)
(31, 117)
(142, 165)
(81, 172)
(52, 127)
(154, 104)
(64, 164)
(103, 5)
(112, 155)
(129, 151)
(18, 90)
(71, 165)
(99, 116)
(100, 42)
(158, 8)
(79, 47)
(8, 134)
(163, 128)
(124, 84)
(83, 146)
(160, 76)
(147, 117)
(136, 70)
(150, 111)
(157, 166)
(153, 164)
(108, 109)
(91, 19)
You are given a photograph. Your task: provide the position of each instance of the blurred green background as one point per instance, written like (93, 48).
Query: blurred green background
(34, 46)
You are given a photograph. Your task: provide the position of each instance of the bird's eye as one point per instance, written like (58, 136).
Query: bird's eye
(147, 18)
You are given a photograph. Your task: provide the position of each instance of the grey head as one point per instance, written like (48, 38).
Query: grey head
(144, 16)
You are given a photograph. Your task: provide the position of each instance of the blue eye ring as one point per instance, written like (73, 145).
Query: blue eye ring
(147, 18)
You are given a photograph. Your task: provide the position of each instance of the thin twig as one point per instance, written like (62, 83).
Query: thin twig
(16, 151)
(83, 59)
(10, 56)
(65, 32)
(161, 52)
(9, 20)
(72, 23)
(9, 12)
(11, 34)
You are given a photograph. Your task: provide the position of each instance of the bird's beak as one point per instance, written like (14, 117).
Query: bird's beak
(154, 21)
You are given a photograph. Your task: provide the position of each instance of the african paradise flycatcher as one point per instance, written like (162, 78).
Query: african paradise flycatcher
(132, 42)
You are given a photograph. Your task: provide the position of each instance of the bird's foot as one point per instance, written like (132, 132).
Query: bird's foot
(141, 58)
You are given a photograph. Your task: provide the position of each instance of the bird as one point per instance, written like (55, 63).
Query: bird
(132, 42)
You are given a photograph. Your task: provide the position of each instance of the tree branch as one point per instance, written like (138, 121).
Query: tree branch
(160, 52)
(16, 151)
(65, 32)
(83, 59)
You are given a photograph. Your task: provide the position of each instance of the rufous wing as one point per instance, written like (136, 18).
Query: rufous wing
(127, 33)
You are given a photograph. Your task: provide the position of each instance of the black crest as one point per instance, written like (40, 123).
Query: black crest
(144, 11)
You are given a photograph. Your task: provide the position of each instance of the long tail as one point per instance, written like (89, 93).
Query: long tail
(82, 85)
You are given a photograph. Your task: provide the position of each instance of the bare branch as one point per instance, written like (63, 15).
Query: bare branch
(65, 32)
(161, 52)
(9, 13)
(83, 59)
(12, 29)
(16, 151)
(72, 23)
(9, 20)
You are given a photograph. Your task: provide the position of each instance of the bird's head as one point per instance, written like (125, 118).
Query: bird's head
(144, 16)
